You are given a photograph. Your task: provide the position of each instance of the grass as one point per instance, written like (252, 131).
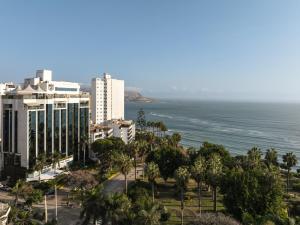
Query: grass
(167, 194)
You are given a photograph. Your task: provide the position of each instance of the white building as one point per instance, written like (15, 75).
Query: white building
(98, 131)
(42, 117)
(107, 99)
(124, 129)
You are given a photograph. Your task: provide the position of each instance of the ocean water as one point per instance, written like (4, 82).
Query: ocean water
(238, 126)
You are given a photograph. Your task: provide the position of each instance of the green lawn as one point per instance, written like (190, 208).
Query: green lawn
(167, 195)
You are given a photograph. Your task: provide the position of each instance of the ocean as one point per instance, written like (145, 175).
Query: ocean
(238, 126)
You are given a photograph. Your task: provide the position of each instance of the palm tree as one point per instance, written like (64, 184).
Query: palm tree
(151, 140)
(143, 151)
(175, 139)
(182, 177)
(254, 157)
(18, 189)
(56, 157)
(198, 174)
(118, 206)
(289, 160)
(214, 171)
(93, 207)
(125, 165)
(271, 158)
(152, 171)
(149, 215)
(40, 164)
(133, 150)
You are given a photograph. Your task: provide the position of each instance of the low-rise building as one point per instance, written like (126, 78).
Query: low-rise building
(98, 131)
(124, 129)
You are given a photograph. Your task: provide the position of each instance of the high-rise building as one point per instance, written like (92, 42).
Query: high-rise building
(42, 117)
(107, 99)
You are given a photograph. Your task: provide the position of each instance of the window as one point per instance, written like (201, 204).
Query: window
(65, 89)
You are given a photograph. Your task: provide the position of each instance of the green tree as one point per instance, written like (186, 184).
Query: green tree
(175, 139)
(271, 158)
(18, 189)
(214, 172)
(182, 177)
(152, 171)
(168, 160)
(198, 170)
(254, 157)
(141, 119)
(289, 161)
(124, 165)
(149, 215)
(255, 192)
(133, 151)
(118, 207)
(40, 164)
(93, 206)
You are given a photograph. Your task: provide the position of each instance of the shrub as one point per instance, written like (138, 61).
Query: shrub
(215, 219)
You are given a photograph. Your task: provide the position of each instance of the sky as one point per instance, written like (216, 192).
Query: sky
(198, 49)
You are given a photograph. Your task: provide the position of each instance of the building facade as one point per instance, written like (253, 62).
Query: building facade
(107, 99)
(43, 117)
(124, 129)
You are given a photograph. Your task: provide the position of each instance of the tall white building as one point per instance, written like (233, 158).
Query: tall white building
(107, 99)
(42, 117)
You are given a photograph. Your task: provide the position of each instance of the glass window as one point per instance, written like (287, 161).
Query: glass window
(49, 129)
(32, 138)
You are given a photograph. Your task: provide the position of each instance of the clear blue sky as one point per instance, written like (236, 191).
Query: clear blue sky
(169, 48)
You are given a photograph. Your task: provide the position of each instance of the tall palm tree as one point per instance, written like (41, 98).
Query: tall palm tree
(152, 171)
(18, 189)
(133, 150)
(56, 157)
(214, 171)
(143, 151)
(151, 140)
(40, 164)
(182, 177)
(125, 165)
(289, 160)
(271, 158)
(93, 207)
(198, 174)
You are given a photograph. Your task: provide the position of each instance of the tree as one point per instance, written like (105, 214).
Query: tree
(289, 161)
(143, 149)
(254, 157)
(214, 171)
(149, 215)
(18, 189)
(141, 119)
(168, 160)
(40, 164)
(271, 158)
(133, 150)
(56, 157)
(212, 219)
(152, 171)
(118, 206)
(93, 206)
(175, 139)
(32, 196)
(198, 174)
(124, 164)
(182, 176)
(255, 191)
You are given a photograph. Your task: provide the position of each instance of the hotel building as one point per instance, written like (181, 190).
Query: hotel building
(107, 99)
(42, 117)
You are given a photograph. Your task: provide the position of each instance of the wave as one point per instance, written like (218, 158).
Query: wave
(161, 115)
